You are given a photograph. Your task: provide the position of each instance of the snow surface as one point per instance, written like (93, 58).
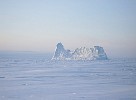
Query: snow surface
(32, 76)
(83, 53)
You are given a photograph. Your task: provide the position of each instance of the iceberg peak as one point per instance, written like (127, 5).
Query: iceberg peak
(83, 53)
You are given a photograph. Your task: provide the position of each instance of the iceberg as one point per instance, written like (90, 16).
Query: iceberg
(83, 53)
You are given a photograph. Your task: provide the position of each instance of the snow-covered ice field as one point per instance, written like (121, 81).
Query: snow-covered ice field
(32, 76)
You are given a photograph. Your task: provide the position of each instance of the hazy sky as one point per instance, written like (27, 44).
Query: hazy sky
(38, 25)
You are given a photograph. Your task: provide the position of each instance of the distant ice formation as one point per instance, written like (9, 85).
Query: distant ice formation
(83, 53)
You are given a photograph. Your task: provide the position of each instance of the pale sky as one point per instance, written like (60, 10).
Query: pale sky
(38, 25)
